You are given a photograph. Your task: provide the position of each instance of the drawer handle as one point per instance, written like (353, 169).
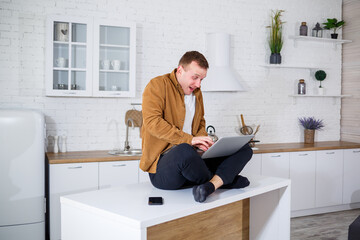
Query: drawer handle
(330, 153)
(276, 156)
(119, 165)
(356, 151)
(75, 167)
(304, 154)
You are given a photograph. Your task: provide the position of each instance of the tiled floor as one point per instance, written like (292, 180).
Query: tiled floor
(329, 226)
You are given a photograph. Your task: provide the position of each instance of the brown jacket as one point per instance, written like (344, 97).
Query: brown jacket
(163, 110)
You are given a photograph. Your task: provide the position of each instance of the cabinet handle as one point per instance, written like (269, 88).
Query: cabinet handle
(304, 154)
(356, 151)
(276, 156)
(75, 167)
(119, 165)
(70, 93)
(330, 153)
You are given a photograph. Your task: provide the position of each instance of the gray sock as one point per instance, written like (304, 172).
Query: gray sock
(201, 192)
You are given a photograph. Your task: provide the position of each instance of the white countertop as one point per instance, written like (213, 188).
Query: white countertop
(128, 204)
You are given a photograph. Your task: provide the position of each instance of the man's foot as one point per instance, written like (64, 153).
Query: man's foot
(239, 182)
(201, 192)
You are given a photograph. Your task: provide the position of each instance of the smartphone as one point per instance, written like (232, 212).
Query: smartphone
(155, 200)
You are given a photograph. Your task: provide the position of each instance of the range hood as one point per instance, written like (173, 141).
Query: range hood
(221, 77)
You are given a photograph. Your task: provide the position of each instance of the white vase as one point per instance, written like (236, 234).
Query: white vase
(321, 91)
(56, 147)
(63, 144)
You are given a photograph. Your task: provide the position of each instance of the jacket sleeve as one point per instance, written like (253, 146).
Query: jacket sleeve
(152, 108)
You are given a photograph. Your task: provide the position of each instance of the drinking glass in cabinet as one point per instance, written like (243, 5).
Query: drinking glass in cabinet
(114, 47)
(60, 80)
(78, 80)
(110, 81)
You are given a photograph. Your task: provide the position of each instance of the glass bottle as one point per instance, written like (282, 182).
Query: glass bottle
(303, 29)
(301, 87)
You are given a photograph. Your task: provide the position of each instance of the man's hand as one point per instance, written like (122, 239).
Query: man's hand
(202, 142)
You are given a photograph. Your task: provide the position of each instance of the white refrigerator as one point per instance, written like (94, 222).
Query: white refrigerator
(22, 181)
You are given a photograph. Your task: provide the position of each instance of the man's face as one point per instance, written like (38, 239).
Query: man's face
(190, 77)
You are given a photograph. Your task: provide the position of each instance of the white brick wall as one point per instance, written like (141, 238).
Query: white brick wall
(165, 30)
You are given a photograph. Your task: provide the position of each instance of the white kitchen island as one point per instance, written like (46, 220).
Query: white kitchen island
(124, 213)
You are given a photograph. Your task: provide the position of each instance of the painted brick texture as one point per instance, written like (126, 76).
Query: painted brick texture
(165, 30)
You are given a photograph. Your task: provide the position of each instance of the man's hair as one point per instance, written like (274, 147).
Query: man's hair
(190, 56)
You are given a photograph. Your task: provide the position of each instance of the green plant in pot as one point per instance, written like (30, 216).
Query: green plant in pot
(332, 23)
(276, 39)
(320, 76)
(310, 124)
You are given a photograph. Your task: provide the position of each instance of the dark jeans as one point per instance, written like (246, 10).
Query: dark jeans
(182, 166)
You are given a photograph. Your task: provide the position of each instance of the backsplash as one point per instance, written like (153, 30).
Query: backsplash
(165, 30)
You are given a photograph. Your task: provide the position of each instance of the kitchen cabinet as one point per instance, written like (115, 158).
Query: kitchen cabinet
(329, 178)
(253, 167)
(68, 179)
(275, 164)
(69, 56)
(351, 191)
(117, 173)
(143, 176)
(302, 175)
(114, 58)
(89, 57)
(80, 177)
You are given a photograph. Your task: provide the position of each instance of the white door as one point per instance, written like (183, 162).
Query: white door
(275, 164)
(21, 167)
(69, 56)
(351, 176)
(302, 175)
(329, 177)
(67, 179)
(253, 167)
(143, 176)
(117, 173)
(114, 58)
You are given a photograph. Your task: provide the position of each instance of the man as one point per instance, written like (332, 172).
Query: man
(174, 127)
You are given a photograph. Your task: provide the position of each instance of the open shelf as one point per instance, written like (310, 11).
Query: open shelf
(335, 42)
(321, 96)
(317, 39)
(289, 66)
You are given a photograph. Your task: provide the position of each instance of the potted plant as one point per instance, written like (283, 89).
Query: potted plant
(310, 124)
(332, 23)
(320, 75)
(276, 39)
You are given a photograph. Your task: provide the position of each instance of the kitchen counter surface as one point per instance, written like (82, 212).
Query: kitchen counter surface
(86, 156)
(103, 156)
(124, 210)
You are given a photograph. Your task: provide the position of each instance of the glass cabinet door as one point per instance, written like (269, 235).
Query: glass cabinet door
(69, 54)
(114, 60)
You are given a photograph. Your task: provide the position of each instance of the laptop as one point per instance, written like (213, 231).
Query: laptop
(226, 146)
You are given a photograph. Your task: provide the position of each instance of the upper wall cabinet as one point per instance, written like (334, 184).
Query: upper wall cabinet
(69, 57)
(114, 55)
(87, 57)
